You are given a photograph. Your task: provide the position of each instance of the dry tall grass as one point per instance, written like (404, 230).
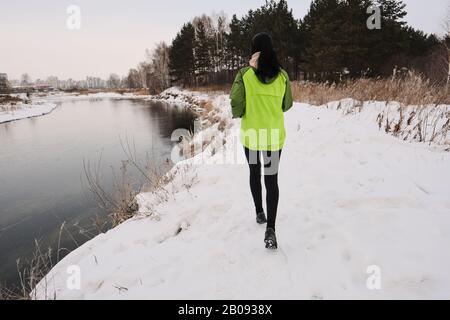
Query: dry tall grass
(420, 112)
(409, 90)
(9, 103)
(32, 271)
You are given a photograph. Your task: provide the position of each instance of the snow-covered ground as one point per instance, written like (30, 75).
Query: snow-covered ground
(22, 111)
(353, 199)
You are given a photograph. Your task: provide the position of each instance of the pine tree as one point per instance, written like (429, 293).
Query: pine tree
(182, 62)
(324, 40)
(355, 46)
(235, 44)
(277, 19)
(391, 40)
(202, 52)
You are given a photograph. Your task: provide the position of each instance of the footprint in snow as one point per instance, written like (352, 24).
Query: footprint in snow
(143, 242)
(363, 162)
(317, 296)
(347, 256)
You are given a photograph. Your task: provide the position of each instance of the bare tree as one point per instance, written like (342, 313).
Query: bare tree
(159, 68)
(25, 80)
(144, 69)
(113, 81)
(215, 26)
(133, 79)
(4, 83)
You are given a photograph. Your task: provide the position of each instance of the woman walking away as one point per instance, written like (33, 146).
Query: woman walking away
(260, 95)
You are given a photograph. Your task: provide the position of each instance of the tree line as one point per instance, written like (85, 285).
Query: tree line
(331, 43)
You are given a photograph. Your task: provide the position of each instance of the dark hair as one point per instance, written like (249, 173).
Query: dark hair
(268, 65)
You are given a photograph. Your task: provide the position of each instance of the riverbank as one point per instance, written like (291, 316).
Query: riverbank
(44, 183)
(20, 110)
(355, 195)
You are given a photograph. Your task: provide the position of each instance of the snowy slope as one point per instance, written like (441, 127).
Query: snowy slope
(351, 197)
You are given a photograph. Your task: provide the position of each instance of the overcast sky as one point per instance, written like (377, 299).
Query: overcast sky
(114, 34)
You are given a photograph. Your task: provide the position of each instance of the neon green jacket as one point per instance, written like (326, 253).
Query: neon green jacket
(261, 105)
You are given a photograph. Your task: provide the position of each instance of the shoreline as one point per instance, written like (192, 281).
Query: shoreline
(193, 101)
(27, 111)
(44, 105)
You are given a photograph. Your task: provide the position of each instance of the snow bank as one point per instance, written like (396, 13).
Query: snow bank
(429, 123)
(352, 197)
(182, 98)
(23, 111)
(178, 96)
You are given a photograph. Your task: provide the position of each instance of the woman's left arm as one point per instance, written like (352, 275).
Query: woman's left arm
(237, 96)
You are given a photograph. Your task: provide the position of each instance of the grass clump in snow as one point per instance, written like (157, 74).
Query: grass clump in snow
(10, 103)
(31, 272)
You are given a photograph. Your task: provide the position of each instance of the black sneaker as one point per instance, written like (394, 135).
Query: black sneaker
(271, 239)
(261, 218)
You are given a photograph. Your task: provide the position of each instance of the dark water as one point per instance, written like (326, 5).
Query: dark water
(42, 180)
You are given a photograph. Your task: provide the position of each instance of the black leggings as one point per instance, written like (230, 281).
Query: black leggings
(271, 166)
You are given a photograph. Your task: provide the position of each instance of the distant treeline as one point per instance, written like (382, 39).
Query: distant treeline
(332, 42)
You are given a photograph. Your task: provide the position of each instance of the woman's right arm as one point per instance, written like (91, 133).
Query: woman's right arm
(288, 100)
